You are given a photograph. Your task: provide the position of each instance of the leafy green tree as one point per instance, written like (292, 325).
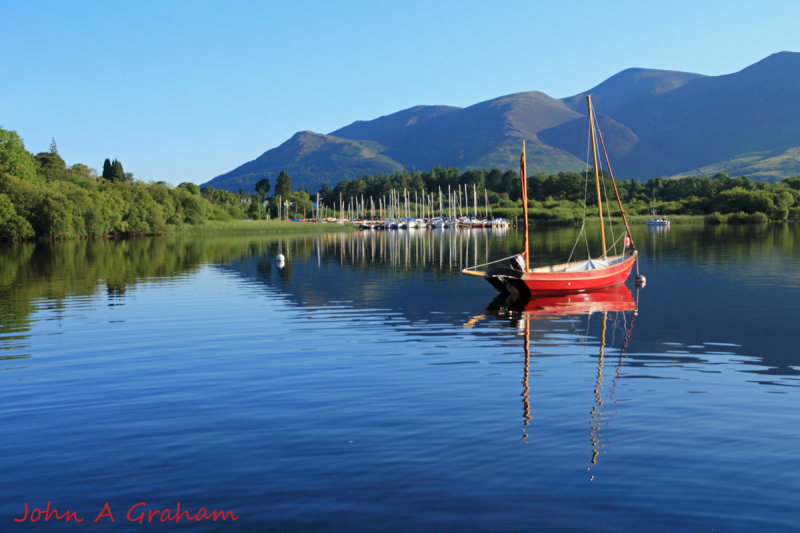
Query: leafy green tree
(71, 202)
(284, 185)
(190, 187)
(511, 184)
(794, 183)
(254, 211)
(160, 194)
(472, 177)
(302, 203)
(53, 218)
(494, 181)
(12, 225)
(81, 171)
(51, 166)
(194, 208)
(14, 159)
(739, 199)
(325, 194)
(262, 188)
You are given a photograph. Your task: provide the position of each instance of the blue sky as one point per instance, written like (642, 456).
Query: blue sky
(187, 90)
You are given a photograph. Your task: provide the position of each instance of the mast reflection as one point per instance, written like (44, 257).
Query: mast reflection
(597, 415)
(554, 306)
(526, 405)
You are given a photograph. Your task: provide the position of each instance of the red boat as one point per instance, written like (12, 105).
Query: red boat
(573, 276)
(577, 276)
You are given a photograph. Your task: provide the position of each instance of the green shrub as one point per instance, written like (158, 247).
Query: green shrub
(748, 218)
(780, 214)
(715, 218)
(53, 219)
(509, 213)
(12, 226)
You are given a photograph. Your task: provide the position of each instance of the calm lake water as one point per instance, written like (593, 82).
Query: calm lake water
(368, 386)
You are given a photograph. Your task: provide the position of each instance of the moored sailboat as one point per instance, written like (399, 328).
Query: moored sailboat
(655, 221)
(572, 276)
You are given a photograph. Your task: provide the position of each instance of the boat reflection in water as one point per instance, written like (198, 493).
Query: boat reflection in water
(617, 298)
(616, 305)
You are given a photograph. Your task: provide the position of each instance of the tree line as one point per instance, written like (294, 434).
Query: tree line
(284, 202)
(41, 197)
(562, 196)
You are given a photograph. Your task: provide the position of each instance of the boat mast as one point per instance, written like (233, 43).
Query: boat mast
(597, 175)
(524, 185)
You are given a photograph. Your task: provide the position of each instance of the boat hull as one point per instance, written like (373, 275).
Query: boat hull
(657, 223)
(559, 279)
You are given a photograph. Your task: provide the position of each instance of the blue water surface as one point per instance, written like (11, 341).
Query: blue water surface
(368, 386)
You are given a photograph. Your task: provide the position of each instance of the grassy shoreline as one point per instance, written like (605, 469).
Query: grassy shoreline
(674, 219)
(253, 227)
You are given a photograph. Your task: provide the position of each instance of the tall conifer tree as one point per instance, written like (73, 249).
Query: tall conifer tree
(107, 173)
(117, 174)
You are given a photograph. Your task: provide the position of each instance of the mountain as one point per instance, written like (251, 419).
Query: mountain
(654, 122)
(717, 121)
(484, 135)
(310, 159)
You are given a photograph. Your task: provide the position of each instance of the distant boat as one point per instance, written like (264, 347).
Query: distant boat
(499, 223)
(655, 221)
(572, 276)
(436, 223)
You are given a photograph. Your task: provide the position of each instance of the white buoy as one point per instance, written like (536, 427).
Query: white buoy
(280, 258)
(641, 281)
